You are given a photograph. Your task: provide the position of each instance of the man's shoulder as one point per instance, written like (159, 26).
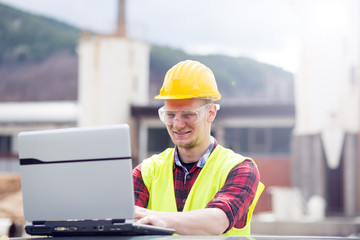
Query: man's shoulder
(228, 153)
(229, 157)
(151, 166)
(162, 155)
(160, 158)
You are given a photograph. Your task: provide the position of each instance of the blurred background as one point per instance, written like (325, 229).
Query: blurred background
(288, 71)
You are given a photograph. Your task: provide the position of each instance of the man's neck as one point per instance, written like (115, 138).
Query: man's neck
(189, 155)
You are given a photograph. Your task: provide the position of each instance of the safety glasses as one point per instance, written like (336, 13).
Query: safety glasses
(191, 116)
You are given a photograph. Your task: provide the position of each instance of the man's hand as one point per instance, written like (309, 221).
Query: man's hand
(209, 221)
(146, 216)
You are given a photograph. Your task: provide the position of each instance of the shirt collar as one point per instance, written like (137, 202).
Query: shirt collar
(203, 158)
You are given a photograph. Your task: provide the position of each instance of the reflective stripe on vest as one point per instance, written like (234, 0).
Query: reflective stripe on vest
(157, 174)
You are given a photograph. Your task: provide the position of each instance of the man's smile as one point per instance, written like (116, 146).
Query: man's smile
(181, 133)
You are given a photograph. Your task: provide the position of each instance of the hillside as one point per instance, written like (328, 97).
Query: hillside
(27, 37)
(238, 78)
(38, 62)
(37, 57)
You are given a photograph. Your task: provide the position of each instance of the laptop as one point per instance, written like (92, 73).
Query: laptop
(78, 181)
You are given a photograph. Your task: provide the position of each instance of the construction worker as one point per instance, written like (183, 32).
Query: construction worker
(198, 187)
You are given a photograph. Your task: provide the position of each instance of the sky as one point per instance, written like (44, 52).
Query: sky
(260, 29)
(267, 31)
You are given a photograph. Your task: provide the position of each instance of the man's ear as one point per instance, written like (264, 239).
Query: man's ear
(212, 113)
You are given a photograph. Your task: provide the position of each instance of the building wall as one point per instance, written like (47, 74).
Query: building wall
(325, 156)
(274, 172)
(113, 75)
(312, 174)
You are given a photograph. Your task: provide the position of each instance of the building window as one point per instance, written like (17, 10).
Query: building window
(158, 140)
(259, 140)
(280, 140)
(5, 144)
(264, 141)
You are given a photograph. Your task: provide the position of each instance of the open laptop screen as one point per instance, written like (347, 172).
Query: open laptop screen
(77, 173)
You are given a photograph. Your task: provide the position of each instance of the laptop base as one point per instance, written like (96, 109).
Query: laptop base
(93, 228)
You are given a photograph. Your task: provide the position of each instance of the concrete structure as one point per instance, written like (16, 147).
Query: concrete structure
(326, 135)
(113, 74)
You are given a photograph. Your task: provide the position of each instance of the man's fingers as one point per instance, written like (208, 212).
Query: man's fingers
(145, 220)
(141, 212)
(152, 220)
(146, 216)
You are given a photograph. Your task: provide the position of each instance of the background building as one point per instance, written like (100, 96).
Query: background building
(325, 155)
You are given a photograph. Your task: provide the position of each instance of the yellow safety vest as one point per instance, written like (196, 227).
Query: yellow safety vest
(157, 174)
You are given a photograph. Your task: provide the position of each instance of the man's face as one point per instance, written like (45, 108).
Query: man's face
(183, 131)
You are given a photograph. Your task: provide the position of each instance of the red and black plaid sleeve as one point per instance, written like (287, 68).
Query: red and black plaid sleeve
(236, 196)
(140, 190)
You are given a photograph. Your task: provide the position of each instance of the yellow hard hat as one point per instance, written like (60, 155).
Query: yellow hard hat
(189, 79)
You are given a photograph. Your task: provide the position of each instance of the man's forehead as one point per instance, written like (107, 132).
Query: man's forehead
(184, 103)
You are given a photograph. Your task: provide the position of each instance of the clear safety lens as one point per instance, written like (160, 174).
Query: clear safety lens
(168, 116)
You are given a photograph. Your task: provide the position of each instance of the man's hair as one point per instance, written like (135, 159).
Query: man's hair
(207, 100)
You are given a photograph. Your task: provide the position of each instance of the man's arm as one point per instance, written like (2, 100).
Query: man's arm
(140, 191)
(211, 221)
(232, 201)
(237, 194)
(208, 221)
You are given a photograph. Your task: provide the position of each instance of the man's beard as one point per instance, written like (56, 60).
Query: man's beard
(188, 145)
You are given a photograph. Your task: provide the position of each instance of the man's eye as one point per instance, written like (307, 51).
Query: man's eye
(170, 115)
(188, 115)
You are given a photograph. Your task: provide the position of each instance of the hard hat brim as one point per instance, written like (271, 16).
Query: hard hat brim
(159, 97)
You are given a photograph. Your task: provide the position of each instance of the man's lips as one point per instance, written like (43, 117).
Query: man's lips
(181, 133)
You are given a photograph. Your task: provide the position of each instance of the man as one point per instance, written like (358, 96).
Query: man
(197, 187)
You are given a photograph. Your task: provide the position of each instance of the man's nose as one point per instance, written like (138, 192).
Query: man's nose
(177, 123)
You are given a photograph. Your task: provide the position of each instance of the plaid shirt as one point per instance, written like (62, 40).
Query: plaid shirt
(234, 198)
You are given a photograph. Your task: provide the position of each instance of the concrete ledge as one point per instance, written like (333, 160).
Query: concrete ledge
(343, 227)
